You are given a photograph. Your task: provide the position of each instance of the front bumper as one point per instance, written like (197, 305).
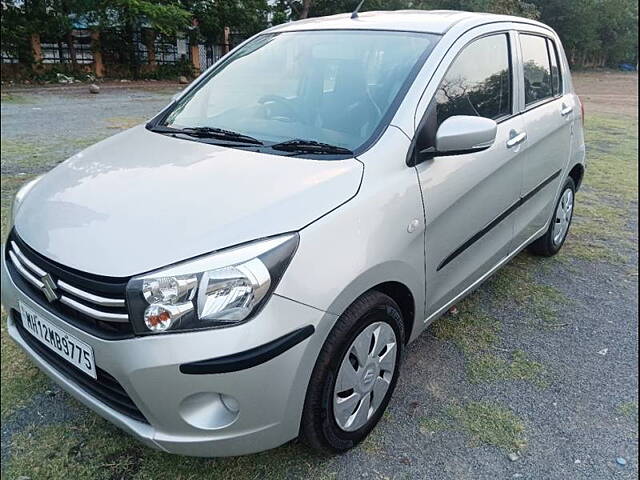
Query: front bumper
(184, 410)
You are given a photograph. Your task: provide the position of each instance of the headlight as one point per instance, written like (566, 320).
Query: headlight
(20, 195)
(215, 290)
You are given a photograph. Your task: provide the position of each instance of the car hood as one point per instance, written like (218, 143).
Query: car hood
(140, 200)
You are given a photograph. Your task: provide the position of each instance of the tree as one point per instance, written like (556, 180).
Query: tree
(618, 32)
(317, 8)
(300, 9)
(212, 16)
(127, 17)
(15, 32)
(46, 18)
(303, 8)
(280, 12)
(593, 32)
(165, 16)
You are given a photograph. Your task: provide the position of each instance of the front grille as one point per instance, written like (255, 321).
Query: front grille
(92, 303)
(105, 388)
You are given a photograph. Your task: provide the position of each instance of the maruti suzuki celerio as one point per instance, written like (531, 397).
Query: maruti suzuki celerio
(250, 265)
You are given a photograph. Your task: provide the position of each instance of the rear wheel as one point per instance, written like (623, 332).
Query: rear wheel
(551, 242)
(355, 374)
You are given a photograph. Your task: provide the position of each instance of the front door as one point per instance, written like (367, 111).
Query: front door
(468, 198)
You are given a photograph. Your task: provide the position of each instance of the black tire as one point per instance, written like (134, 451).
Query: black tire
(318, 428)
(545, 246)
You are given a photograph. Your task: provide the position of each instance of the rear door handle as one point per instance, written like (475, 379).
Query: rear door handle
(516, 139)
(565, 110)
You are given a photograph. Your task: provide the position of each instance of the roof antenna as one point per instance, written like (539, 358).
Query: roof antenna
(355, 12)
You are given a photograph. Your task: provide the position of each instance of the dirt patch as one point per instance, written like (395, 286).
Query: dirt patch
(608, 92)
(150, 85)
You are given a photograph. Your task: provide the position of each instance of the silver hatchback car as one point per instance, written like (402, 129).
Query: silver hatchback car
(249, 266)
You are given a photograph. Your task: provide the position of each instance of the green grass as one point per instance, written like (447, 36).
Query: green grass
(31, 157)
(15, 99)
(629, 410)
(612, 156)
(434, 425)
(93, 448)
(13, 149)
(80, 143)
(477, 335)
(374, 443)
(484, 422)
(489, 367)
(609, 193)
(522, 367)
(20, 378)
(597, 229)
(9, 186)
(516, 285)
(490, 424)
(123, 123)
(471, 330)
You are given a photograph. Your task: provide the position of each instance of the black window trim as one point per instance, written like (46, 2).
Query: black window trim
(506, 33)
(552, 45)
(512, 81)
(553, 98)
(430, 110)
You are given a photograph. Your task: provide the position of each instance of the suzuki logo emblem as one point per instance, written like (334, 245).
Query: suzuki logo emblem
(368, 377)
(49, 287)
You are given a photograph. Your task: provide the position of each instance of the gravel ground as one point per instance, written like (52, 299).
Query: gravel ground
(69, 118)
(559, 337)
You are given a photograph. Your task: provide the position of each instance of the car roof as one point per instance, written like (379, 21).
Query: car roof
(427, 21)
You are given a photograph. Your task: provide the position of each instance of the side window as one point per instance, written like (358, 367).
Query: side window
(478, 82)
(537, 68)
(556, 74)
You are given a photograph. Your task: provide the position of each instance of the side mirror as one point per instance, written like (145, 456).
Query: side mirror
(464, 134)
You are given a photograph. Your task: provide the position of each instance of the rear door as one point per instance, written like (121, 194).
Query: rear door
(548, 115)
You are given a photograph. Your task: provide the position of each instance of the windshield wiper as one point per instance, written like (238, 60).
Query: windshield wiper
(311, 146)
(209, 132)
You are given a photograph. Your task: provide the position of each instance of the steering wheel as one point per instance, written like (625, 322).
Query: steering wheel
(275, 103)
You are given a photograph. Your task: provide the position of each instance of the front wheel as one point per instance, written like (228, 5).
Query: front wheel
(551, 242)
(355, 374)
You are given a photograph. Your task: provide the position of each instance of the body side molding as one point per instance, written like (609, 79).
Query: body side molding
(477, 236)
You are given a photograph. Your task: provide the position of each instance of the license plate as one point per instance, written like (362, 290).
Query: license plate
(74, 351)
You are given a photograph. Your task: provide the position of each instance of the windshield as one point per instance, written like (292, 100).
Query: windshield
(330, 87)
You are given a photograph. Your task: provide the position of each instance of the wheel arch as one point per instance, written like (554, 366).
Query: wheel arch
(399, 281)
(577, 174)
(401, 294)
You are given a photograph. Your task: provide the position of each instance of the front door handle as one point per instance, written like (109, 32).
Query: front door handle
(516, 138)
(565, 110)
